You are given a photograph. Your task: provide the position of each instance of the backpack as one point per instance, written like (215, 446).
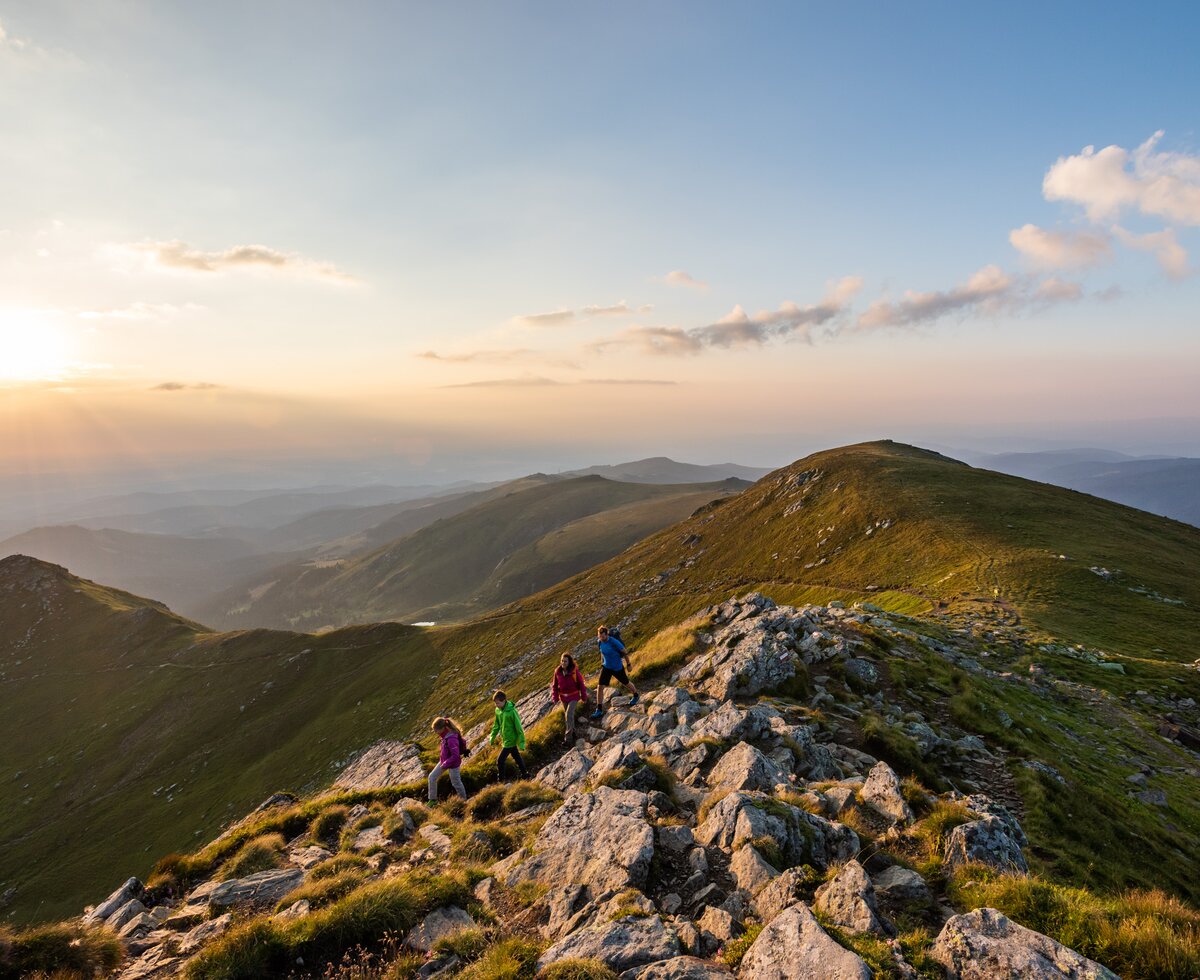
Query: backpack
(463, 749)
(613, 634)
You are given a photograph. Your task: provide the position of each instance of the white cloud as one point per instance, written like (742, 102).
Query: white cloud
(987, 290)
(677, 277)
(179, 256)
(1054, 290)
(1105, 182)
(554, 318)
(1172, 256)
(557, 318)
(141, 311)
(1061, 249)
(738, 328)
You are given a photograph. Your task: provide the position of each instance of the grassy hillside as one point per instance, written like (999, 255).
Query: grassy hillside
(505, 546)
(232, 717)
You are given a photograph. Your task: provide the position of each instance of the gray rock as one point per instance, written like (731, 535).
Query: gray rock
(742, 660)
(139, 925)
(436, 926)
(781, 893)
(264, 888)
(795, 947)
(750, 869)
(744, 767)
(485, 891)
(719, 924)
(132, 889)
(988, 841)
(985, 806)
(882, 793)
(386, 763)
(600, 838)
(862, 673)
(803, 838)
(849, 900)
(728, 720)
(838, 799)
(204, 933)
(679, 840)
(308, 857)
(614, 759)
(901, 885)
(679, 968)
(130, 910)
(567, 773)
(984, 944)
(621, 945)
(297, 910)
(366, 839)
(436, 838)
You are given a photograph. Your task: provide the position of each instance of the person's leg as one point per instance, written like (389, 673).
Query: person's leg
(457, 783)
(500, 760)
(571, 706)
(630, 687)
(520, 762)
(600, 685)
(433, 781)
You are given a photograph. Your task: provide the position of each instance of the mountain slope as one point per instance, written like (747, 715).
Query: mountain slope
(661, 469)
(459, 564)
(972, 556)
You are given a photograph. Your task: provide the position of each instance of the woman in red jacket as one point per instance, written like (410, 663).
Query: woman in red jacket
(569, 688)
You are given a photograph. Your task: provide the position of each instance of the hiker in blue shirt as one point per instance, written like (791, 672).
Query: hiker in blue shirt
(613, 661)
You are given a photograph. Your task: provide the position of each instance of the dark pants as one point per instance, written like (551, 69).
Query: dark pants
(503, 757)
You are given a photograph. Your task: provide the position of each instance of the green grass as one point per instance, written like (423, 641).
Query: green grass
(68, 950)
(1146, 934)
(324, 890)
(510, 959)
(735, 950)
(263, 853)
(578, 970)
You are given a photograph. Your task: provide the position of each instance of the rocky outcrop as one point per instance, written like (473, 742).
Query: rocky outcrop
(601, 838)
(744, 767)
(679, 968)
(898, 885)
(881, 792)
(988, 841)
(849, 900)
(132, 889)
(984, 944)
(567, 773)
(795, 947)
(256, 890)
(385, 763)
(802, 837)
(621, 945)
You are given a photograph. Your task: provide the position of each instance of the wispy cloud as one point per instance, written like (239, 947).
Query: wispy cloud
(479, 356)
(558, 318)
(555, 318)
(1061, 249)
(539, 382)
(989, 291)
(677, 277)
(1105, 182)
(141, 311)
(1164, 245)
(738, 328)
(181, 257)
(181, 386)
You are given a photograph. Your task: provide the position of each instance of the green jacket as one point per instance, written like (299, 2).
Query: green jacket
(508, 727)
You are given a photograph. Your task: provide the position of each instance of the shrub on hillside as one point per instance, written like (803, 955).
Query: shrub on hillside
(65, 949)
(327, 825)
(509, 959)
(260, 854)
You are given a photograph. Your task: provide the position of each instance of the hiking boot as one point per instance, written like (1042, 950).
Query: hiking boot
(597, 713)
(636, 699)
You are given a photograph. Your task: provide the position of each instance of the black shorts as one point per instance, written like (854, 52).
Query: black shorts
(607, 672)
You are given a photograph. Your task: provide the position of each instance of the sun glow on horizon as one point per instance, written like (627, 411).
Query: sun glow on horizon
(30, 348)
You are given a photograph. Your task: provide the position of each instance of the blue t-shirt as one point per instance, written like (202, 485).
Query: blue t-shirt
(610, 653)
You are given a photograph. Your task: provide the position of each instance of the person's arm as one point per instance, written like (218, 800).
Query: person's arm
(495, 729)
(520, 730)
(555, 690)
(582, 684)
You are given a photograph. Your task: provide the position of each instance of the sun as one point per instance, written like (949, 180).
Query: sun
(31, 349)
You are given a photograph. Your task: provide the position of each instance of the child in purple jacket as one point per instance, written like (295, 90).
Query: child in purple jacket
(453, 746)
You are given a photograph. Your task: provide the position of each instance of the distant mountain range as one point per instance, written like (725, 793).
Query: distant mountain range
(1169, 486)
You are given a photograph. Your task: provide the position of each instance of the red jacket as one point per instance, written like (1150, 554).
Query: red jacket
(568, 687)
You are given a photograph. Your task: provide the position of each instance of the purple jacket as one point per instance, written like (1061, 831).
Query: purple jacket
(451, 757)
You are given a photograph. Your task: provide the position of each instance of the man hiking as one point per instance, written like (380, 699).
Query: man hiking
(613, 661)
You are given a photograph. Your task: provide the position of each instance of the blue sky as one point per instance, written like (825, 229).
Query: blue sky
(289, 203)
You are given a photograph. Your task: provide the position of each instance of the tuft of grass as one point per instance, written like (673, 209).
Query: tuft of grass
(526, 793)
(509, 959)
(669, 648)
(66, 949)
(1137, 934)
(468, 945)
(931, 833)
(577, 969)
(324, 890)
(487, 804)
(327, 825)
(736, 949)
(338, 864)
(890, 744)
(263, 853)
(768, 848)
(525, 893)
(362, 919)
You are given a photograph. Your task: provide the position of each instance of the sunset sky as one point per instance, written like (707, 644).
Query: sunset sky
(545, 232)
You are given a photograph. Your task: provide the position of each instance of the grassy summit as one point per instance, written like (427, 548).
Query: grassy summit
(137, 733)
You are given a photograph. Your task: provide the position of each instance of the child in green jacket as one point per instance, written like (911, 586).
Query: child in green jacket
(510, 733)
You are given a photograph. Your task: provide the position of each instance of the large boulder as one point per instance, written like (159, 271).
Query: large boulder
(882, 793)
(781, 893)
(133, 888)
(621, 945)
(601, 839)
(849, 900)
(256, 890)
(386, 763)
(750, 869)
(987, 841)
(743, 660)
(795, 947)
(802, 837)
(985, 806)
(899, 885)
(985, 943)
(567, 773)
(679, 968)
(744, 767)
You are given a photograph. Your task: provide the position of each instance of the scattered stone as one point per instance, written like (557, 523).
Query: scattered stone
(132, 889)
(985, 943)
(485, 891)
(297, 910)
(849, 901)
(719, 924)
(438, 925)
(366, 839)
(261, 889)
(436, 838)
(1152, 797)
(882, 793)
(567, 773)
(988, 841)
(803, 838)
(901, 885)
(621, 945)
(309, 857)
(130, 910)
(744, 767)
(750, 869)
(795, 947)
(782, 892)
(679, 968)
